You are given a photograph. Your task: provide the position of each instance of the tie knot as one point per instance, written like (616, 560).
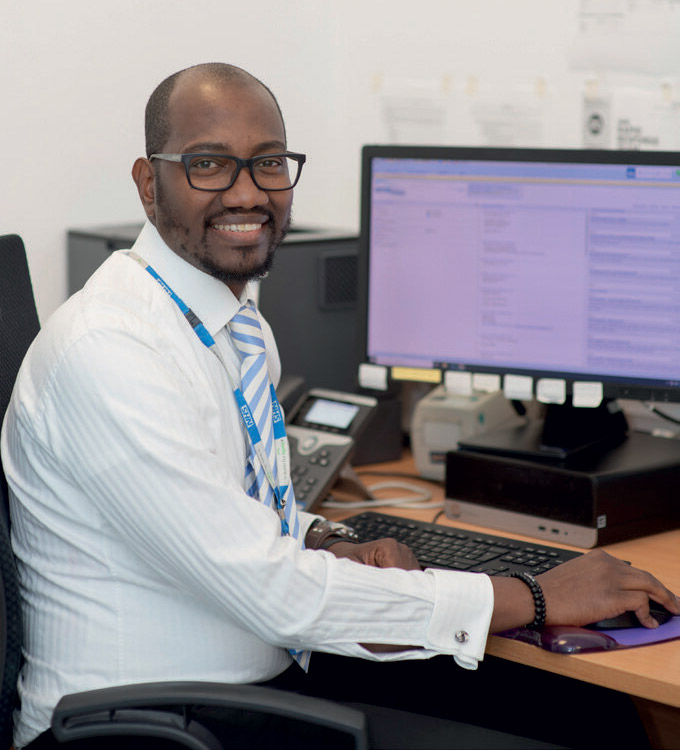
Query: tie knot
(246, 331)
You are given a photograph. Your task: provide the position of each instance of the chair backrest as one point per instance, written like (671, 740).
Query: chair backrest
(18, 321)
(18, 327)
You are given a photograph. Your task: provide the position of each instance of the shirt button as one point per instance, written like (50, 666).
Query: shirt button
(462, 637)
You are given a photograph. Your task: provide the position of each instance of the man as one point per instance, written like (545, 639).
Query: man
(135, 475)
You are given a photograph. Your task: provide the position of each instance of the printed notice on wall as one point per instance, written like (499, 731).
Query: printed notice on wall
(627, 36)
(465, 110)
(648, 119)
(518, 120)
(642, 117)
(412, 110)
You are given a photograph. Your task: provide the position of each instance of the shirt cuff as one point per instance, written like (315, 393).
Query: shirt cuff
(461, 616)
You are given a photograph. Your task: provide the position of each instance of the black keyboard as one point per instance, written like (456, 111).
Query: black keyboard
(459, 549)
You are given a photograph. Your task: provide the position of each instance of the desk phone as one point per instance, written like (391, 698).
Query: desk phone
(322, 430)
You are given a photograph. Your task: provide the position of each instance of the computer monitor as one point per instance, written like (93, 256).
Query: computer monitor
(556, 270)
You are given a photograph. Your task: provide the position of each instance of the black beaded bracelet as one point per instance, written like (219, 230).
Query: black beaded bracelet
(539, 599)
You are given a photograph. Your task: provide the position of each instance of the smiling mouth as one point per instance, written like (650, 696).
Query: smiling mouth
(236, 227)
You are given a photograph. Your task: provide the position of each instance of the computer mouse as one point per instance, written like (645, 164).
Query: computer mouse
(629, 619)
(564, 639)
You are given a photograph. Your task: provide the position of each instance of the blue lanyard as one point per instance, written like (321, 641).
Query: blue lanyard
(280, 440)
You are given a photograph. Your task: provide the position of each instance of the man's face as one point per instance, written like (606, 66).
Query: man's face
(232, 234)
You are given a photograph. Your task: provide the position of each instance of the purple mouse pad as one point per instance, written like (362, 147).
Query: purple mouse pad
(565, 639)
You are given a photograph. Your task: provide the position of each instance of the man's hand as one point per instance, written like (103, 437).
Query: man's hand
(382, 553)
(598, 586)
(582, 591)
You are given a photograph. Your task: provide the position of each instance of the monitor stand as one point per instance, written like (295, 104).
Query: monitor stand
(566, 431)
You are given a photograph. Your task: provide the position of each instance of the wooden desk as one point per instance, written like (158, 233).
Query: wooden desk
(649, 673)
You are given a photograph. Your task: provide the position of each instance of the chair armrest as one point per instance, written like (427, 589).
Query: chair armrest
(163, 709)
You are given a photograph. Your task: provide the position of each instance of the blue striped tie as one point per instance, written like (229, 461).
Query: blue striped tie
(246, 333)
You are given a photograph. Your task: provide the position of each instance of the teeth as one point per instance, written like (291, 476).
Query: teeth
(237, 227)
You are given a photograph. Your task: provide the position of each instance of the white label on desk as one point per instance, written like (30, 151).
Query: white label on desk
(459, 383)
(518, 387)
(551, 391)
(483, 381)
(586, 394)
(373, 376)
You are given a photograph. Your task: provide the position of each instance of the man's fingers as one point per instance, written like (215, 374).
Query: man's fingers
(641, 581)
(644, 616)
(393, 554)
(382, 553)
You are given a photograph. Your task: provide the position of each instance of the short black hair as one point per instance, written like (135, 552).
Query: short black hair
(156, 119)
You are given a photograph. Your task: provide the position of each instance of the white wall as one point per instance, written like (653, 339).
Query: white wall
(75, 76)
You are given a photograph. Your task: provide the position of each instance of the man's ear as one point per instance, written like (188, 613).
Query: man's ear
(143, 175)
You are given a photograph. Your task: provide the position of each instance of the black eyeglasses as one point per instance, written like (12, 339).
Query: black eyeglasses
(218, 172)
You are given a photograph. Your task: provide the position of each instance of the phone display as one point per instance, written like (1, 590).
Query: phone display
(336, 414)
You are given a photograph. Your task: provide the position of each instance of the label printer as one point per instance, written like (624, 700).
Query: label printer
(441, 419)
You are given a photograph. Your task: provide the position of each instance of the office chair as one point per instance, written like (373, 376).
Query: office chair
(159, 712)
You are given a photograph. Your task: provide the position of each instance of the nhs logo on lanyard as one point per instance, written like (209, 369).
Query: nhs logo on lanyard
(276, 411)
(247, 416)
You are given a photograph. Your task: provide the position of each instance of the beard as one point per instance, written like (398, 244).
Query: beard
(259, 271)
(200, 257)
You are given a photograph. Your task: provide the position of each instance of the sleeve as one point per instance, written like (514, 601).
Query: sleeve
(135, 432)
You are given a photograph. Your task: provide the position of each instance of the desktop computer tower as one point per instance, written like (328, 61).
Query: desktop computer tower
(309, 298)
(87, 249)
(595, 498)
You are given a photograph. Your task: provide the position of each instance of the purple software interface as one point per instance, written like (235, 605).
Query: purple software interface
(552, 263)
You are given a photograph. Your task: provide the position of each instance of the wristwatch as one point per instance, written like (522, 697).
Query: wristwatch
(322, 534)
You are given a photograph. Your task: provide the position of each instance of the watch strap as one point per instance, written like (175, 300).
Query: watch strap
(322, 534)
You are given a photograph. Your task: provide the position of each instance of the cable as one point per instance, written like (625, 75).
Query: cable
(654, 410)
(419, 498)
(437, 517)
(401, 474)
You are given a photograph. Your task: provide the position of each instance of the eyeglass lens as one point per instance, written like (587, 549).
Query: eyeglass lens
(217, 172)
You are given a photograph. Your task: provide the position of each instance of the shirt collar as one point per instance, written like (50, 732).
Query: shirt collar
(211, 299)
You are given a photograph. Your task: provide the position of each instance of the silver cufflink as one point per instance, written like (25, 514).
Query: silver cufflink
(462, 637)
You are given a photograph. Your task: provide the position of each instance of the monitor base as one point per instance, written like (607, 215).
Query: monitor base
(567, 431)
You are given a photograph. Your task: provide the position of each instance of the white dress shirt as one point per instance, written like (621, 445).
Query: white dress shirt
(140, 556)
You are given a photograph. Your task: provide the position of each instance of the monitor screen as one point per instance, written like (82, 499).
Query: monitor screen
(541, 263)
